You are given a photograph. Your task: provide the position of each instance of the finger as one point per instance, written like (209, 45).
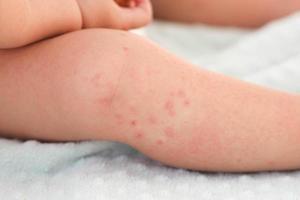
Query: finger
(127, 3)
(137, 14)
(122, 3)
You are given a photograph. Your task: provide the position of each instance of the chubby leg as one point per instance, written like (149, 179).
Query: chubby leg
(248, 13)
(112, 85)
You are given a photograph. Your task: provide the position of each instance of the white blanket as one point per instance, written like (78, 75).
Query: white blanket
(102, 170)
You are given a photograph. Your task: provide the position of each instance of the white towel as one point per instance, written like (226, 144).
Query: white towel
(100, 170)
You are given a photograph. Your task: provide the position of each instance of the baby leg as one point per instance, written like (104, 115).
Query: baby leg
(112, 85)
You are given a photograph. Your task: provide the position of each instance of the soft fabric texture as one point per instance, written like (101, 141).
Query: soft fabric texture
(101, 170)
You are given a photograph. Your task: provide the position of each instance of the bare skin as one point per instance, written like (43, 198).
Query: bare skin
(112, 85)
(23, 22)
(98, 84)
(247, 13)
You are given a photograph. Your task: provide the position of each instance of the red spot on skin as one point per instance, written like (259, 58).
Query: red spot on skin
(135, 74)
(126, 50)
(139, 135)
(133, 123)
(152, 120)
(133, 110)
(204, 140)
(159, 142)
(181, 93)
(186, 103)
(119, 119)
(170, 108)
(271, 163)
(95, 80)
(118, 116)
(182, 78)
(105, 102)
(169, 132)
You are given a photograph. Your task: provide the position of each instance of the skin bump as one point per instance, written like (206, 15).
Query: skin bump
(159, 142)
(133, 110)
(96, 79)
(152, 120)
(104, 102)
(139, 134)
(186, 103)
(133, 123)
(119, 118)
(170, 108)
(126, 50)
(181, 93)
(169, 132)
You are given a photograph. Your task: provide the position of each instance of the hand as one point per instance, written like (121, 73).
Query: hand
(117, 14)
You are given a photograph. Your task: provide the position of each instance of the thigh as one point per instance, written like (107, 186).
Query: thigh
(51, 87)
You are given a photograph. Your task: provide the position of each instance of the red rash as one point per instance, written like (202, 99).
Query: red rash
(126, 50)
(186, 102)
(118, 116)
(95, 80)
(181, 93)
(133, 123)
(169, 132)
(152, 120)
(271, 163)
(206, 140)
(139, 135)
(119, 119)
(159, 142)
(169, 107)
(105, 102)
(133, 110)
(106, 99)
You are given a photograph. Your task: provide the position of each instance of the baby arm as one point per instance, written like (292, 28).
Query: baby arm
(100, 84)
(248, 13)
(23, 22)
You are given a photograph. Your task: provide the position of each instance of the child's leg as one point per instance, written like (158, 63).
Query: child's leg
(248, 13)
(105, 84)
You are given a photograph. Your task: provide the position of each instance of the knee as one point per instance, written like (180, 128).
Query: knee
(91, 66)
